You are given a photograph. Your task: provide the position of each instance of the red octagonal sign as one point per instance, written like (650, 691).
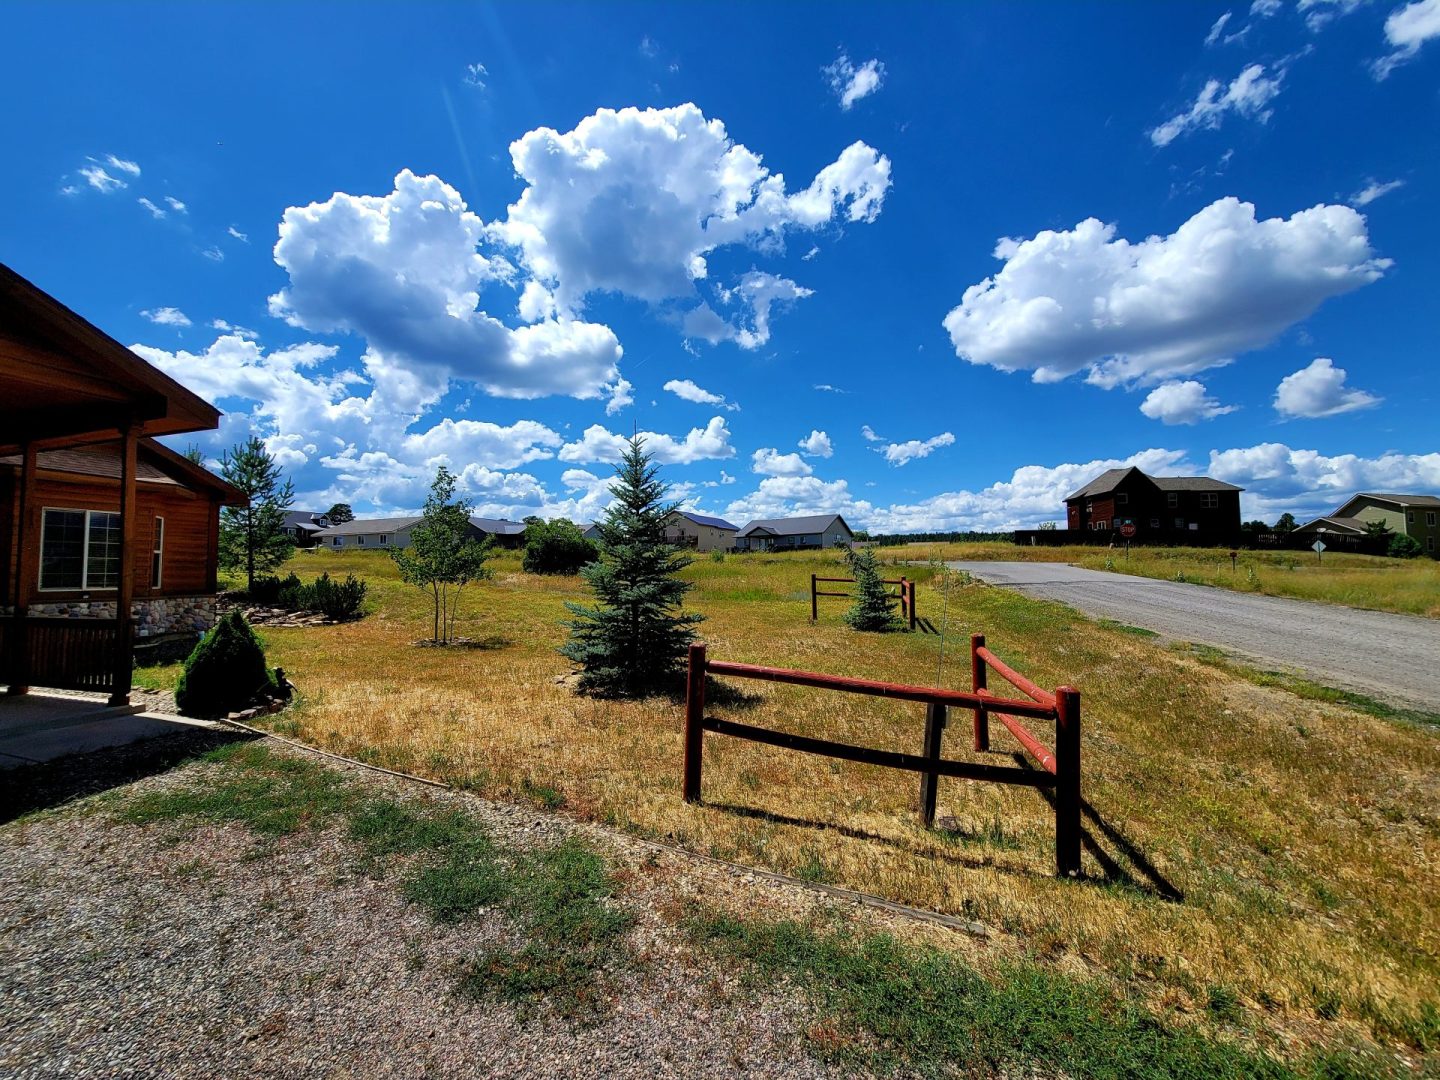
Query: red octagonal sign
(1127, 530)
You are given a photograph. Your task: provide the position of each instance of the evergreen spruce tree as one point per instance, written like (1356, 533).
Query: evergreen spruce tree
(253, 536)
(874, 608)
(634, 640)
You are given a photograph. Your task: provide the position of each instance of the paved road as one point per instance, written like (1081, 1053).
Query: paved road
(1396, 657)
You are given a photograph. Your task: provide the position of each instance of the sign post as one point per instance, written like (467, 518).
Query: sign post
(1317, 547)
(1127, 530)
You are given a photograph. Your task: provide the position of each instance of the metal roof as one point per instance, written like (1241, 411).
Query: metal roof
(713, 522)
(815, 523)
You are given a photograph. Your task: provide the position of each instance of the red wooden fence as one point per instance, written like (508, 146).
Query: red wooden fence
(906, 594)
(1059, 769)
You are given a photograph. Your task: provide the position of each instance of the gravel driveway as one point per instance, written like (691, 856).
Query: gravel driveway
(1392, 657)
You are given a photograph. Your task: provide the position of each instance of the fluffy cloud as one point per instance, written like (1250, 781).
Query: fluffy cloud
(1307, 482)
(686, 390)
(1406, 29)
(1319, 390)
(770, 462)
(817, 444)
(634, 201)
(598, 444)
(851, 83)
(100, 180)
(1221, 284)
(1182, 403)
(868, 434)
(787, 496)
(404, 271)
(1319, 12)
(1249, 95)
(239, 331)
(176, 205)
(898, 454)
(620, 397)
(1374, 190)
(167, 316)
(460, 442)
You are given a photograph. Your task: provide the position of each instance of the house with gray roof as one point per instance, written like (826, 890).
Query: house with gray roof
(788, 534)
(303, 526)
(1417, 516)
(394, 532)
(699, 531)
(1159, 509)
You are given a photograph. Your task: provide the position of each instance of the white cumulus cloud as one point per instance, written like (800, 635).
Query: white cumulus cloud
(167, 316)
(898, 454)
(1319, 390)
(1183, 403)
(687, 390)
(851, 82)
(770, 462)
(597, 444)
(1249, 95)
(817, 444)
(404, 271)
(1373, 190)
(1406, 30)
(1222, 284)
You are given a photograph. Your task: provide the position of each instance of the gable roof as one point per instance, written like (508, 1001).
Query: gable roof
(712, 522)
(795, 526)
(1397, 499)
(367, 526)
(294, 518)
(498, 526)
(155, 463)
(1343, 524)
(1110, 479)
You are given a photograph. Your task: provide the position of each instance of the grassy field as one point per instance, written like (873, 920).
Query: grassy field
(1258, 862)
(1408, 586)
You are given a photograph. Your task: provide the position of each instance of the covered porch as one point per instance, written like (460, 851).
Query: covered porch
(65, 384)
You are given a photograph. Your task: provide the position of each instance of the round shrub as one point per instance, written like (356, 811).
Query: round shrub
(225, 672)
(556, 547)
(1404, 546)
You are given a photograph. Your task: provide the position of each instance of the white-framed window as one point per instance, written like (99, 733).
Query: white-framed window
(157, 553)
(360, 540)
(384, 539)
(1154, 523)
(79, 549)
(1209, 500)
(1122, 498)
(1179, 523)
(1172, 498)
(1098, 525)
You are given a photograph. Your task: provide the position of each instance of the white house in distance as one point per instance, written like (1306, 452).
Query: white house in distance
(702, 533)
(395, 532)
(785, 534)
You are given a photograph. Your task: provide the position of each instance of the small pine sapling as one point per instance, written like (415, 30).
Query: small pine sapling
(873, 609)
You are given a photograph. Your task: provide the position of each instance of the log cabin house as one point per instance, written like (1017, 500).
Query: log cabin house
(106, 536)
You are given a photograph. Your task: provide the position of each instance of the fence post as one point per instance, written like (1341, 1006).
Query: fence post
(814, 604)
(1067, 781)
(910, 587)
(694, 718)
(930, 782)
(977, 683)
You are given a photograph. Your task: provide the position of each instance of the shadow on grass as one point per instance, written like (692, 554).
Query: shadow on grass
(48, 784)
(494, 641)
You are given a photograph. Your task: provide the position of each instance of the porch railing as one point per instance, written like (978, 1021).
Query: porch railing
(67, 654)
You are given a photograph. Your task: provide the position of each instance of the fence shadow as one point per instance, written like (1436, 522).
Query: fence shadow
(1144, 875)
(48, 784)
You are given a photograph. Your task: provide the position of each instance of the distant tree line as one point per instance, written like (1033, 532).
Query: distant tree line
(895, 539)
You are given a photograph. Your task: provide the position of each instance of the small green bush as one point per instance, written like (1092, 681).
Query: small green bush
(336, 599)
(556, 547)
(225, 671)
(1403, 546)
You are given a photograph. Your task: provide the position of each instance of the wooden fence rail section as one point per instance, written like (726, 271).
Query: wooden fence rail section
(1059, 769)
(906, 595)
(67, 654)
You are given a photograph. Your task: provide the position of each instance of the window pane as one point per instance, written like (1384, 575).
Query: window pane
(62, 549)
(103, 564)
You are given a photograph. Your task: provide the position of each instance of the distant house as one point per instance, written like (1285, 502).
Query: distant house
(785, 534)
(700, 532)
(1417, 516)
(395, 532)
(1162, 509)
(302, 526)
(589, 529)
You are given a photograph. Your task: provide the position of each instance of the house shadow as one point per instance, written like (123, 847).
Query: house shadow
(44, 785)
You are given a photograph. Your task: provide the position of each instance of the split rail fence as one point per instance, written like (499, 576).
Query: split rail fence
(906, 595)
(1059, 768)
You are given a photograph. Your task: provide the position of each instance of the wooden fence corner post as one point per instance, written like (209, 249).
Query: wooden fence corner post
(1067, 781)
(930, 782)
(977, 683)
(910, 586)
(694, 721)
(814, 603)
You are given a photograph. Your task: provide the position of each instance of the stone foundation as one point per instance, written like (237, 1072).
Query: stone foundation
(153, 616)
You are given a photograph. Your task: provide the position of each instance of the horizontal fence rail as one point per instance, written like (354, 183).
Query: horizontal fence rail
(906, 595)
(1059, 769)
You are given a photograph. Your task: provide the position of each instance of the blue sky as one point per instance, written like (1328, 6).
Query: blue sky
(931, 266)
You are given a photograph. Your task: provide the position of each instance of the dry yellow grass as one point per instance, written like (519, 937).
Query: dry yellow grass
(1407, 586)
(1304, 838)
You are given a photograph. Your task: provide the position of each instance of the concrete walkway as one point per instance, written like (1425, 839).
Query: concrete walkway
(41, 726)
(1392, 657)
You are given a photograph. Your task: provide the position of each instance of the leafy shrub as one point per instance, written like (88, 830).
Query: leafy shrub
(556, 547)
(224, 672)
(1403, 546)
(337, 599)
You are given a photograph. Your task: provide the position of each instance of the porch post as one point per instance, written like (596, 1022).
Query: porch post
(124, 619)
(27, 570)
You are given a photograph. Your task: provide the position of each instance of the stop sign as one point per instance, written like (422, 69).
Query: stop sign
(1127, 530)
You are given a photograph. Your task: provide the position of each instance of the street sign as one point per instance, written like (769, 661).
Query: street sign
(1318, 546)
(1127, 530)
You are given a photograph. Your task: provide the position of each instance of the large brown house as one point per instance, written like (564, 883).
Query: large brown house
(105, 534)
(1162, 509)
